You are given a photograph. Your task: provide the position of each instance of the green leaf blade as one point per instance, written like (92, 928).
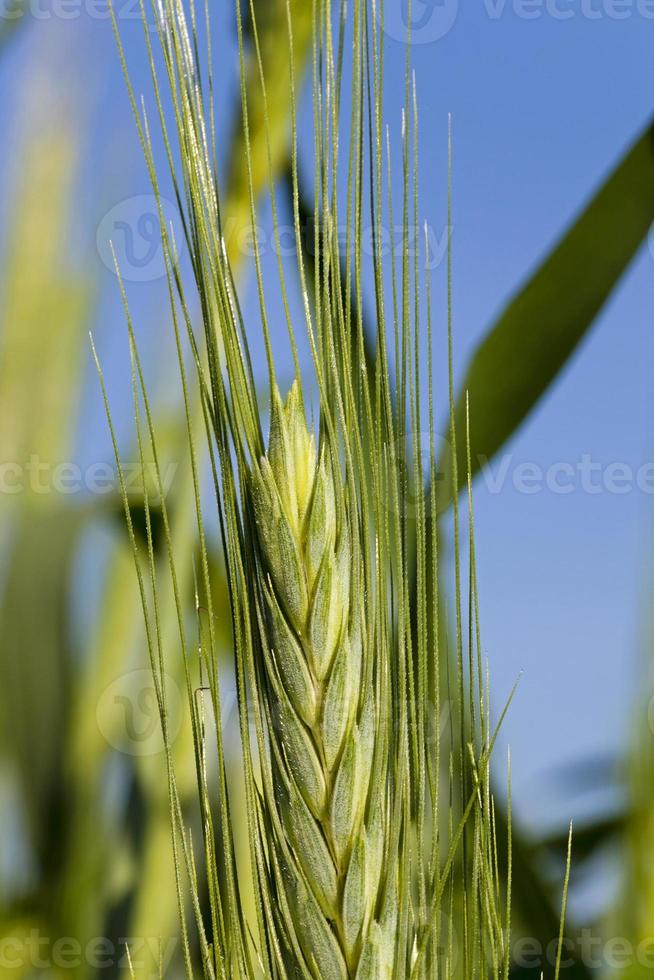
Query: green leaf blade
(543, 325)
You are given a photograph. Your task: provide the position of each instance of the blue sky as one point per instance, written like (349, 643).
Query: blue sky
(544, 97)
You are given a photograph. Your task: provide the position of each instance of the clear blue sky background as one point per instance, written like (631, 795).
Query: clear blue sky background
(542, 108)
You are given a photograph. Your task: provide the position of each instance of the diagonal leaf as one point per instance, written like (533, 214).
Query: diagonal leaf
(545, 322)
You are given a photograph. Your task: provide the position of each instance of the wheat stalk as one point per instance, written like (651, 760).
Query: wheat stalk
(356, 856)
(321, 701)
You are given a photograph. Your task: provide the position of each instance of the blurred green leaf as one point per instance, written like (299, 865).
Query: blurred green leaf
(45, 306)
(537, 911)
(634, 908)
(35, 673)
(91, 861)
(542, 326)
(358, 322)
(270, 137)
(589, 838)
(43, 317)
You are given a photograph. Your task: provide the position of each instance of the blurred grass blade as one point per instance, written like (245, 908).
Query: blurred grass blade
(45, 303)
(545, 322)
(35, 675)
(44, 309)
(269, 118)
(350, 302)
(635, 902)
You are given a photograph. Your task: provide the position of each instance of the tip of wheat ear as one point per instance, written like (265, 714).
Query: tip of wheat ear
(322, 714)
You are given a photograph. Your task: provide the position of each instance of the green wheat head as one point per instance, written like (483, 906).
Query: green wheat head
(361, 841)
(331, 789)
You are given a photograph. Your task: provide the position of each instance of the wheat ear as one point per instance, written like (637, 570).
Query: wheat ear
(322, 708)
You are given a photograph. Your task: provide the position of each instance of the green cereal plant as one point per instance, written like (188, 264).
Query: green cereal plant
(369, 829)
